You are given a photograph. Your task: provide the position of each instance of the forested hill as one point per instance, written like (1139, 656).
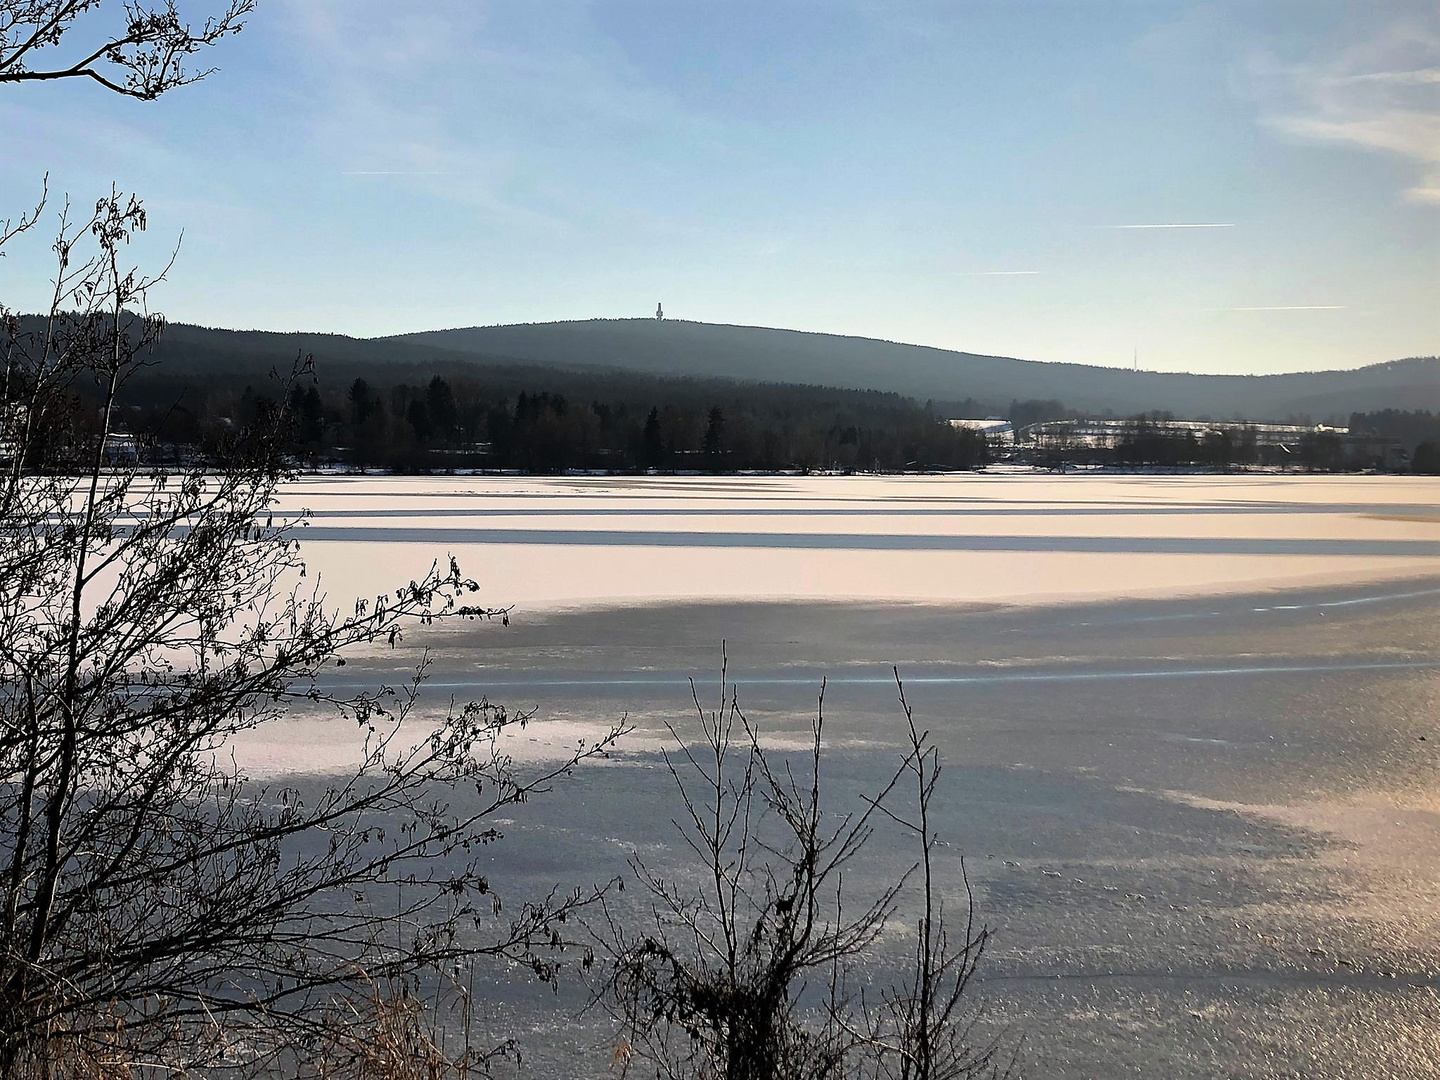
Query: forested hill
(749, 352)
(673, 347)
(185, 350)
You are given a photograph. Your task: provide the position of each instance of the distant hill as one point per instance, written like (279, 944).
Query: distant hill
(677, 347)
(708, 351)
(190, 350)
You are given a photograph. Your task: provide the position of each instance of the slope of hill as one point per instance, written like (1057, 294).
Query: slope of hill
(189, 350)
(709, 351)
(756, 353)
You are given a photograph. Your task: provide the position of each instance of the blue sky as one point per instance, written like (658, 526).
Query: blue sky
(949, 174)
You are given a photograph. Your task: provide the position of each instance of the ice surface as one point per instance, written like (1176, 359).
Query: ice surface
(1197, 800)
(544, 543)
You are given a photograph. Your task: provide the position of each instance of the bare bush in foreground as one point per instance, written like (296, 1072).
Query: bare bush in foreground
(751, 966)
(158, 910)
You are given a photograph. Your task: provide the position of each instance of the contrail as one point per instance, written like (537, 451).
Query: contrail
(1178, 225)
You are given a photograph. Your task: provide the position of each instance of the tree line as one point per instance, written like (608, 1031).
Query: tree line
(549, 422)
(1391, 443)
(1417, 430)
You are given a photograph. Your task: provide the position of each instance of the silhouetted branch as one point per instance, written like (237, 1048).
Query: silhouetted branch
(143, 57)
(713, 979)
(154, 901)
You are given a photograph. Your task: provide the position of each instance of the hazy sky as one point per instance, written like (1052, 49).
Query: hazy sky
(963, 174)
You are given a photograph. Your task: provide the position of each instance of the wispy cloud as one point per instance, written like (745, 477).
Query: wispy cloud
(443, 96)
(1423, 77)
(1382, 95)
(1001, 273)
(1291, 307)
(1178, 225)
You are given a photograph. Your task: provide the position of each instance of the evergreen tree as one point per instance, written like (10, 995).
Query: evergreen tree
(419, 417)
(312, 417)
(1427, 459)
(362, 403)
(714, 441)
(440, 405)
(653, 440)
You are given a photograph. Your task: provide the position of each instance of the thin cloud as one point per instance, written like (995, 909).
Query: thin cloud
(1422, 77)
(1291, 307)
(1377, 96)
(1001, 273)
(1178, 225)
(387, 76)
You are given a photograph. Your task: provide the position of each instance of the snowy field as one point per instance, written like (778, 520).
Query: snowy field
(543, 543)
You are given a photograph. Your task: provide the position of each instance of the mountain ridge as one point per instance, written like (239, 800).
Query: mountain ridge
(683, 347)
(709, 351)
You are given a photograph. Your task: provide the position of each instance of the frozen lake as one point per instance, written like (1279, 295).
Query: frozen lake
(543, 543)
(1191, 724)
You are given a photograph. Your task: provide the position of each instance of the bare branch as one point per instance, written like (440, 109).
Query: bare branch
(146, 56)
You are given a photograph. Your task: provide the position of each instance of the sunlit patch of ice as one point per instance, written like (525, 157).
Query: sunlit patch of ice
(583, 542)
(321, 746)
(1390, 841)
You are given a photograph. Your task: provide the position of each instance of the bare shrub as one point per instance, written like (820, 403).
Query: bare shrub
(157, 907)
(751, 965)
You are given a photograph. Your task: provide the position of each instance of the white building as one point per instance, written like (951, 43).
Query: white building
(996, 431)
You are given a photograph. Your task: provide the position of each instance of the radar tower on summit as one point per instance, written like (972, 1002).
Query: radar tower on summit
(659, 313)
